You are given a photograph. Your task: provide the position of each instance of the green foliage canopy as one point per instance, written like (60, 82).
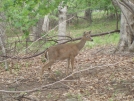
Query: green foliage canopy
(79, 5)
(23, 14)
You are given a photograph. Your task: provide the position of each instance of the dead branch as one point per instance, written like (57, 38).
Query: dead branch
(62, 80)
(12, 57)
(70, 40)
(105, 33)
(94, 35)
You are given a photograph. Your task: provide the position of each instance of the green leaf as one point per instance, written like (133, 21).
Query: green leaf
(18, 24)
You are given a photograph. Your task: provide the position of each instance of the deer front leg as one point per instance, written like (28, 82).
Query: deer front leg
(68, 66)
(72, 62)
(46, 66)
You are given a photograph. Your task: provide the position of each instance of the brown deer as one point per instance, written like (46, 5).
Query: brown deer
(65, 51)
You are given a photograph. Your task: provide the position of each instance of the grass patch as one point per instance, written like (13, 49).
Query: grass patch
(104, 40)
(95, 28)
(100, 24)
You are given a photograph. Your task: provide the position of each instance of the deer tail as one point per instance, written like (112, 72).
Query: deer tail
(46, 54)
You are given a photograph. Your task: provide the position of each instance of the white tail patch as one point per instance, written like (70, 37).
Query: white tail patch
(47, 56)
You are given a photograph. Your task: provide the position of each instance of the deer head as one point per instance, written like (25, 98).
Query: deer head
(87, 36)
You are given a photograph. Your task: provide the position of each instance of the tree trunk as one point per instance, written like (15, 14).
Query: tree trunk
(88, 15)
(2, 40)
(45, 26)
(37, 30)
(62, 23)
(42, 26)
(126, 42)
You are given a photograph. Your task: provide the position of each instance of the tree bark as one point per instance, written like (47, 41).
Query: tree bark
(2, 39)
(88, 15)
(126, 42)
(62, 22)
(37, 30)
(45, 26)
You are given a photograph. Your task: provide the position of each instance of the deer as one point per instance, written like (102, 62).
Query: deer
(64, 51)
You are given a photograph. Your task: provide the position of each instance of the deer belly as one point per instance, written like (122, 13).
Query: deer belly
(63, 56)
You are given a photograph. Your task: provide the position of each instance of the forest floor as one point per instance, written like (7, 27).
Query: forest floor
(99, 75)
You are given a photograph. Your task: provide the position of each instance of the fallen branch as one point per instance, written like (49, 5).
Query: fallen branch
(62, 80)
(70, 39)
(105, 33)
(94, 35)
(24, 94)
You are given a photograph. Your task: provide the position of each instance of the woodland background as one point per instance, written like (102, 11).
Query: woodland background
(104, 68)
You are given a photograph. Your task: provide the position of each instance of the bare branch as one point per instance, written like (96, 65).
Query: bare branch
(70, 39)
(128, 5)
(94, 35)
(62, 80)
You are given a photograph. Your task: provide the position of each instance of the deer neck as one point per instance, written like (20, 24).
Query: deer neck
(81, 44)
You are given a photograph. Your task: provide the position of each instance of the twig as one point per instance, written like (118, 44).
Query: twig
(42, 87)
(15, 57)
(93, 35)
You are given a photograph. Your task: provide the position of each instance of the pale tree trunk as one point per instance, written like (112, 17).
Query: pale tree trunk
(2, 39)
(3, 47)
(37, 30)
(45, 26)
(42, 26)
(62, 23)
(126, 42)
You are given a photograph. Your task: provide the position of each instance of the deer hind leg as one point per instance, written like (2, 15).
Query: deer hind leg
(51, 75)
(72, 62)
(47, 66)
(67, 69)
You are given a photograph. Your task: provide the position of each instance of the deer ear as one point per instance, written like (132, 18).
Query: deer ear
(89, 32)
(84, 33)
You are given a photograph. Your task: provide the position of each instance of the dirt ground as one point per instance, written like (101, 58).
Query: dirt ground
(99, 75)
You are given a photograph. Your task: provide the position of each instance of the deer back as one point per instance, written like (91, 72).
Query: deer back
(62, 51)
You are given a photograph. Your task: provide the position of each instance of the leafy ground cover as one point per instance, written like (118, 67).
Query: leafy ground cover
(100, 75)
